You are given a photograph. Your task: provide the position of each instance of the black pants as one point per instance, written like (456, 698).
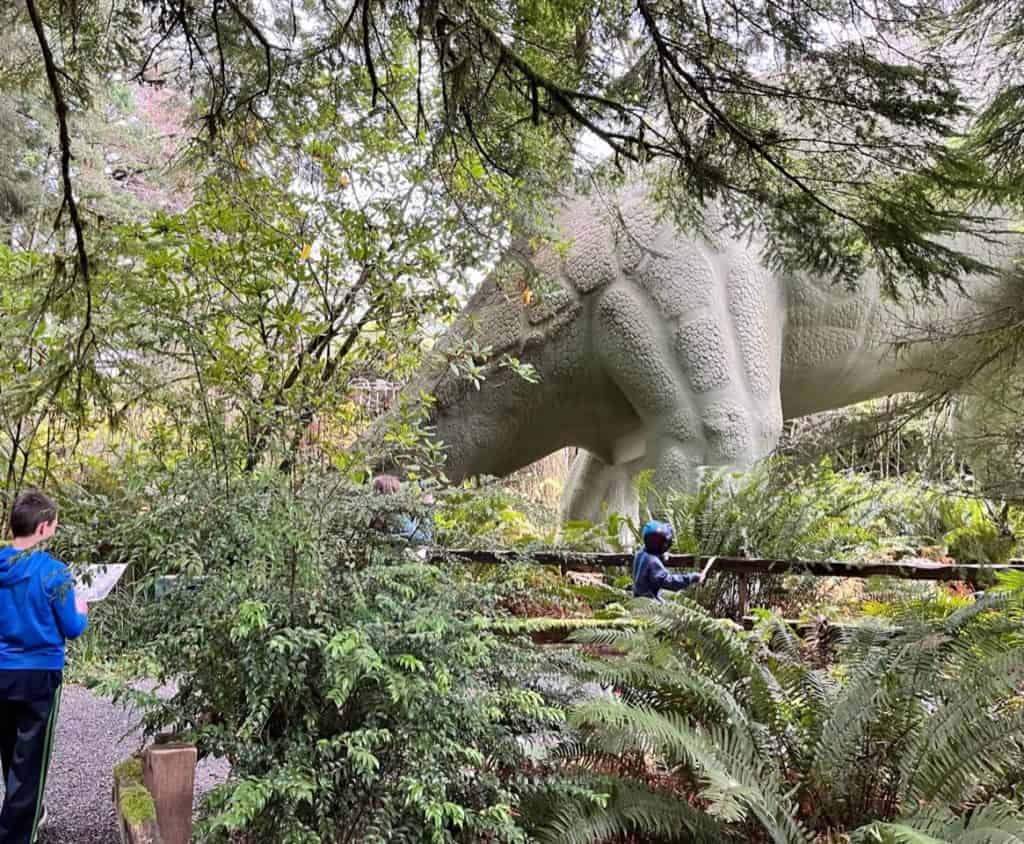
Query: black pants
(29, 706)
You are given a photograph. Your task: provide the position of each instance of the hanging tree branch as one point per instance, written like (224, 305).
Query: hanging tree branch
(86, 336)
(257, 33)
(60, 107)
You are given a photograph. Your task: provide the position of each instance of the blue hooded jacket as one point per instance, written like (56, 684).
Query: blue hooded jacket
(650, 576)
(37, 611)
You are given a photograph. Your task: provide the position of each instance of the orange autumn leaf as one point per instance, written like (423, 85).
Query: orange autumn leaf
(306, 249)
(527, 296)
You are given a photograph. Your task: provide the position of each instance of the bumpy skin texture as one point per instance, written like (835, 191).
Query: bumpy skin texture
(669, 351)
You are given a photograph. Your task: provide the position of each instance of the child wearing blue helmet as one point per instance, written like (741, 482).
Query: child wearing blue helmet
(649, 572)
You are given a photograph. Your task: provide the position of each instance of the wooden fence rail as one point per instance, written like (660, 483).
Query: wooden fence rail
(973, 573)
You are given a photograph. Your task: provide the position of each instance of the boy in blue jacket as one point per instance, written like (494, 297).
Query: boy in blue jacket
(649, 572)
(38, 613)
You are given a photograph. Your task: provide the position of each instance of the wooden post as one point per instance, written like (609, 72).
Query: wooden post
(134, 830)
(743, 588)
(169, 771)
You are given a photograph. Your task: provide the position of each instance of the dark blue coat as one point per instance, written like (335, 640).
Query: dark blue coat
(650, 576)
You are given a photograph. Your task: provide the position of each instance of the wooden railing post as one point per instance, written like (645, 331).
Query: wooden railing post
(744, 593)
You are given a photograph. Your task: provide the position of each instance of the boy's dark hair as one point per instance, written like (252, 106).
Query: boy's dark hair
(30, 510)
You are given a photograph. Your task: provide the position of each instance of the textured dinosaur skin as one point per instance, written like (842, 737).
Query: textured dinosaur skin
(663, 350)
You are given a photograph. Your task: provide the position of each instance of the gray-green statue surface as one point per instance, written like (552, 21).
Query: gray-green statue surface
(662, 350)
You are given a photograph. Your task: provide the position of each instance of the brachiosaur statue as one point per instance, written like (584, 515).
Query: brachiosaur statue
(662, 350)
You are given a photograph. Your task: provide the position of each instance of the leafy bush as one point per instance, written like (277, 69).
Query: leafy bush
(714, 735)
(376, 709)
(489, 517)
(358, 694)
(192, 522)
(501, 517)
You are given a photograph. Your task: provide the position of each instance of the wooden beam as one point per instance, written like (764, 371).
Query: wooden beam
(555, 634)
(973, 573)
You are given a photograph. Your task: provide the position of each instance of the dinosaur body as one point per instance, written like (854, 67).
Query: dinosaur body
(663, 350)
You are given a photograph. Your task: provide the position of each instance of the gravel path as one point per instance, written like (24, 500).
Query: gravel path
(91, 739)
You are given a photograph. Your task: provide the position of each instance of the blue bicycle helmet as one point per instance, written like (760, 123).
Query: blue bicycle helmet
(658, 537)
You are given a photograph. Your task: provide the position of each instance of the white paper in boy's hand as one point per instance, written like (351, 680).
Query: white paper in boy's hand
(104, 579)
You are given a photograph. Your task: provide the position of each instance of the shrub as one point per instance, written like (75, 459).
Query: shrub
(972, 534)
(489, 517)
(357, 693)
(191, 521)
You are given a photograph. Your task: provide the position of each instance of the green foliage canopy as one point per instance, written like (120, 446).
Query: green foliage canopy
(833, 126)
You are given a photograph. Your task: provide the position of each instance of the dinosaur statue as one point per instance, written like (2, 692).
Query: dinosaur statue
(662, 350)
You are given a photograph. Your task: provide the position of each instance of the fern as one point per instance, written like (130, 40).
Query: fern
(910, 727)
(737, 779)
(996, 823)
(626, 809)
(893, 833)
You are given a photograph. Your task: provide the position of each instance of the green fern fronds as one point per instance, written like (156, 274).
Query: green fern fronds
(911, 725)
(628, 809)
(995, 823)
(738, 781)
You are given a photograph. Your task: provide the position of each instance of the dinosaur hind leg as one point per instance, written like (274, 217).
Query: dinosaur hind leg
(689, 383)
(594, 489)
